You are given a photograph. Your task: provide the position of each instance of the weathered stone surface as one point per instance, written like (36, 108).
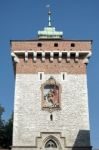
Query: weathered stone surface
(31, 122)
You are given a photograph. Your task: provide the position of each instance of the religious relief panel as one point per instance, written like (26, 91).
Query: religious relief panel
(51, 94)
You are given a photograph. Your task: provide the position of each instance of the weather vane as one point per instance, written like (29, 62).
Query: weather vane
(49, 15)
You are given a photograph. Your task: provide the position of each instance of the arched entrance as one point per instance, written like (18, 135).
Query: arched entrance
(51, 143)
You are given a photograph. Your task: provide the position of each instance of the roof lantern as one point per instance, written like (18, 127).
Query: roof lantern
(50, 32)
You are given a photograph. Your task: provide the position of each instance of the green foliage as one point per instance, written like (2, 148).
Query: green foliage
(2, 127)
(8, 131)
(1, 112)
(5, 130)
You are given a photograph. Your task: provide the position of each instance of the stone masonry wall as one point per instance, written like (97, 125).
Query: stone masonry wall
(72, 121)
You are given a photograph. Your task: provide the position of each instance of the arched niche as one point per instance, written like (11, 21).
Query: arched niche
(51, 94)
(51, 142)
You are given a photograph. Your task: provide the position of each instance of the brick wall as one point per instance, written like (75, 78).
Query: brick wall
(50, 67)
(49, 45)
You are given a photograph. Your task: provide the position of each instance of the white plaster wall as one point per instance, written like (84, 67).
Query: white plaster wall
(30, 119)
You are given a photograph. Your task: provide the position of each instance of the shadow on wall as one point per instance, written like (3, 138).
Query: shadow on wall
(82, 141)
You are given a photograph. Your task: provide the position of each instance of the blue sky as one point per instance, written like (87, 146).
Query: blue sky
(78, 19)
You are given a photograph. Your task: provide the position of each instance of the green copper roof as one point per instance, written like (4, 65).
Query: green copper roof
(50, 33)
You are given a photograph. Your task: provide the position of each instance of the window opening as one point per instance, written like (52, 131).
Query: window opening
(40, 76)
(72, 44)
(51, 117)
(55, 44)
(50, 144)
(39, 44)
(63, 76)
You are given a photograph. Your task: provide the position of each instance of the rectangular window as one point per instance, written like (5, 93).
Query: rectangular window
(39, 44)
(40, 75)
(63, 76)
(55, 44)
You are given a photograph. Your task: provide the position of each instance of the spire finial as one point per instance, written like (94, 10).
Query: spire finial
(49, 15)
(49, 32)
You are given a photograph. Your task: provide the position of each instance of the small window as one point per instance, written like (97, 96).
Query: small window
(40, 75)
(72, 44)
(39, 44)
(55, 44)
(63, 76)
(51, 117)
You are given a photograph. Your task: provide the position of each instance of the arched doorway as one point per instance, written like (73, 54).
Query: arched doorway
(51, 143)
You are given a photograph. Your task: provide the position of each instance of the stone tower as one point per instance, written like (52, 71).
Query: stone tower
(51, 97)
